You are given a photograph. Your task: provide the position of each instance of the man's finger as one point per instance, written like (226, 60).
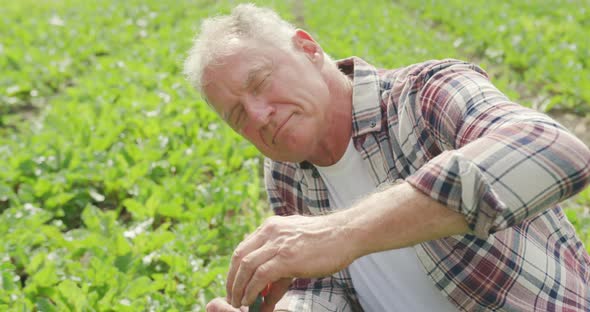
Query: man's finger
(265, 273)
(277, 291)
(251, 242)
(249, 264)
(221, 305)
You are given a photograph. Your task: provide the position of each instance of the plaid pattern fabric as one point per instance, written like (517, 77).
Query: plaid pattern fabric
(334, 294)
(445, 129)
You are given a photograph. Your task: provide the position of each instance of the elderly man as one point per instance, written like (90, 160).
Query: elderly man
(421, 188)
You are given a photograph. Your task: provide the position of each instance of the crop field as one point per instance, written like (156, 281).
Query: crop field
(121, 191)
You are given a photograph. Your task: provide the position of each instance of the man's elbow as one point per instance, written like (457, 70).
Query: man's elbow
(584, 169)
(577, 155)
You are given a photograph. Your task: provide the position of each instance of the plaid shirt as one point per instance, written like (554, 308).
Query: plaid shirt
(445, 129)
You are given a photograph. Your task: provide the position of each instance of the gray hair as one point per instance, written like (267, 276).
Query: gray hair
(219, 35)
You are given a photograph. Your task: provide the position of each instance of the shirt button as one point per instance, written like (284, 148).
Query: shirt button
(373, 123)
(315, 174)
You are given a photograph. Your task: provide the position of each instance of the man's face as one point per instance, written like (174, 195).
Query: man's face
(277, 100)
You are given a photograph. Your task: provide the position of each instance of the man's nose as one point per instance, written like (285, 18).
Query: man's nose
(259, 111)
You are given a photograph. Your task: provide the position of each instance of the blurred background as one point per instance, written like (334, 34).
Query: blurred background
(121, 191)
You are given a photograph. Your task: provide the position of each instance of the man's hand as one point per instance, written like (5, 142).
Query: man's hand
(272, 296)
(298, 246)
(286, 247)
(221, 305)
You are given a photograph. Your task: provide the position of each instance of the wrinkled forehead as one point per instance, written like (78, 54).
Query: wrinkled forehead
(226, 77)
(230, 72)
(234, 62)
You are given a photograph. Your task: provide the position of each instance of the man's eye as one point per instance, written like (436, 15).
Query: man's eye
(257, 88)
(261, 84)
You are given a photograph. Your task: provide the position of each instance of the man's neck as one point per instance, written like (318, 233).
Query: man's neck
(339, 125)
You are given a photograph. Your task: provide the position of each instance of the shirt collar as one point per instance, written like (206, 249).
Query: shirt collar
(366, 95)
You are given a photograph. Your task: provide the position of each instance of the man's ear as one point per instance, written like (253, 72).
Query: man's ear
(305, 43)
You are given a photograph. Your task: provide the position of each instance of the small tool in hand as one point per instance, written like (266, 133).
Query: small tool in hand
(257, 305)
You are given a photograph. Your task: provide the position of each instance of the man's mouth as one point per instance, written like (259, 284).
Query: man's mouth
(274, 137)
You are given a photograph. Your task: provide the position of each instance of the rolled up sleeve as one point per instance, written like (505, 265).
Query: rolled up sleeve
(480, 154)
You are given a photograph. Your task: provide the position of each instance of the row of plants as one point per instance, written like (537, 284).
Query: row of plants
(539, 47)
(119, 188)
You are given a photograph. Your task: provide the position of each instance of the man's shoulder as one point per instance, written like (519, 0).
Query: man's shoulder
(423, 71)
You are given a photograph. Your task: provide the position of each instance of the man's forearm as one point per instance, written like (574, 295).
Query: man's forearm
(397, 217)
(302, 246)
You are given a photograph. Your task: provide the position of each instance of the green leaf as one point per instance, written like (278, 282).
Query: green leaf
(8, 281)
(135, 208)
(73, 295)
(139, 287)
(59, 199)
(123, 262)
(47, 275)
(44, 305)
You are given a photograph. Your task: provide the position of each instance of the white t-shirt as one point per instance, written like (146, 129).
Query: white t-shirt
(392, 280)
